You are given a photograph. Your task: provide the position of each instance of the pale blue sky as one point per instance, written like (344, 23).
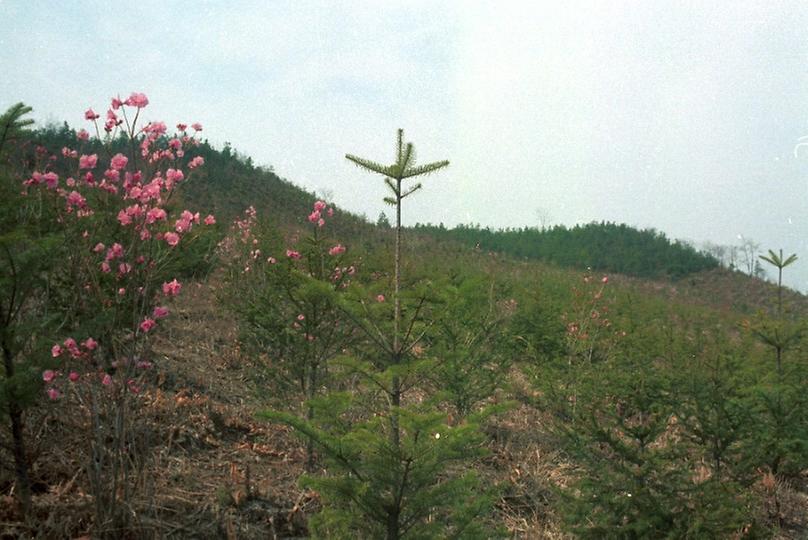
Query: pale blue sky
(681, 116)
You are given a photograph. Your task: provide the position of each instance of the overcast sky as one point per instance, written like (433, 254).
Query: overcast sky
(682, 116)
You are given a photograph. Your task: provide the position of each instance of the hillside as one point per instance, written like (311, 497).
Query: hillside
(569, 402)
(605, 247)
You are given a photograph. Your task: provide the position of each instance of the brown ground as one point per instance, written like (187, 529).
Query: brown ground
(218, 472)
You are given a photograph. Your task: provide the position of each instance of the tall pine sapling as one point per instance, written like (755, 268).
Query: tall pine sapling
(404, 168)
(395, 467)
(26, 254)
(779, 333)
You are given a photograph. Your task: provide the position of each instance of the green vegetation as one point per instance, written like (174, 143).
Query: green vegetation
(438, 390)
(605, 247)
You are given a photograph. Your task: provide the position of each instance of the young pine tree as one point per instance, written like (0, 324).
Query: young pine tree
(396, 469)
(28, 249)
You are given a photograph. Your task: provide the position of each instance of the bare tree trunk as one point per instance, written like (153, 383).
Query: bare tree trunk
(18, 440)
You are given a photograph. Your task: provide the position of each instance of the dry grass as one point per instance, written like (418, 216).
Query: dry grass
(217, 472)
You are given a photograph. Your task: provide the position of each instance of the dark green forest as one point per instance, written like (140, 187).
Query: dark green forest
(605, 247)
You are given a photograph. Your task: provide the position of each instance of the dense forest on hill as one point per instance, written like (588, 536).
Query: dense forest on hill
(193, 347)
(606, 247)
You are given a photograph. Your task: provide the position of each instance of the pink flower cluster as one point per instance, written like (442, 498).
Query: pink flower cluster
(339, 249)
(71, 349)
(340, 275)
(148, 193)
(132, 190)
(320, 209)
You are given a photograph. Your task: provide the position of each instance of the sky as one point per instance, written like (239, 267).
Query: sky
(676, 115)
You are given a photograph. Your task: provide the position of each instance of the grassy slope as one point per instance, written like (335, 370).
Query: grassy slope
(220, 473)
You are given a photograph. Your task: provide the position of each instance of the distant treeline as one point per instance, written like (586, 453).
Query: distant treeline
(605, 246)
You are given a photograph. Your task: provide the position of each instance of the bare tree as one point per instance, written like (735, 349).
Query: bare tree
(544, 217)
(749, 253)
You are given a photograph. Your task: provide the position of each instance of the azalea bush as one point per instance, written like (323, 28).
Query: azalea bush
(112, 196)
(287, 301)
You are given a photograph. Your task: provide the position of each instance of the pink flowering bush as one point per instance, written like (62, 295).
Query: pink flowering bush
(113, 200)
(286, 297)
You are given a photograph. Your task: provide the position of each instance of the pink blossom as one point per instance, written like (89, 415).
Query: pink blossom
(124, 268)
(88, 162)
(155, 129)
(53, 394)
(137, 100)
(106, 380)
(124, 219)
(175, 175)
(83, 135)
(73, 376)
(301, 317)
(314, 216)
(160, 312)
(122, 291)
(330, 212)
(90, 344)
(320, 222)
(115, 252)
(380, 298)
(118, 161)
(105, 267)
(210, 220)
(337, 250)
(112, 175)
(605, 279)
(155, 214)
(293, 254)
(147, 324)
(171, 238)
(56, 351)
(319, 206)
(70, 343)
(74, 198)
(196, 162)
(182, 226)
(116, 103)
(90, 114)
(51, 179)
(182, 127)
(196, 126)
(48, 375)
(271, 260)
(172, 288)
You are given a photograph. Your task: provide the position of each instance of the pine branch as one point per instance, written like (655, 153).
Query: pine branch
(11, 123)
(369, 165)
(425, 169)
(406, 159)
